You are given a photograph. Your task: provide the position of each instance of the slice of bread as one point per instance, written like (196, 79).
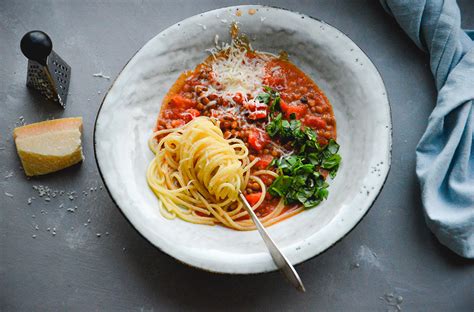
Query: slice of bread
(49, 146)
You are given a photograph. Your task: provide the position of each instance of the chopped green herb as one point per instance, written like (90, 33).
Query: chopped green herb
(275, 104)
(270, 97)
(300, 180)
(263, 98)
(331, 162)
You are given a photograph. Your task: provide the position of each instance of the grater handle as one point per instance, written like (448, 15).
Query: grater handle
(36, 46)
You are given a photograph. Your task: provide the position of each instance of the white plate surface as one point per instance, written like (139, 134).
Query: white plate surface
(337, 65)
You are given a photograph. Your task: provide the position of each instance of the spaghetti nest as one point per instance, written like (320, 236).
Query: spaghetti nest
(197, 174)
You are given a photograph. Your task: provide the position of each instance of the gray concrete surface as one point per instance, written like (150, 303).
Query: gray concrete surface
(390, 252)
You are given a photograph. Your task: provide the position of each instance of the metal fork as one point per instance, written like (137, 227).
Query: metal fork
(278, 257)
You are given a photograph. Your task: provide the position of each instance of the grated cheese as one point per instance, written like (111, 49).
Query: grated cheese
(235, 73)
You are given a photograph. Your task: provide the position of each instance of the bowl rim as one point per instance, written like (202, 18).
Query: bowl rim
(267, 270)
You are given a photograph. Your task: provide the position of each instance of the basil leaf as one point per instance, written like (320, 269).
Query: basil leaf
(304, 195)
(311, 203)
(312, 136)
(332, 146)
(263, 98)
(288, 163)
(275, 104)
(313, 158)
(271, 98)
(268, 89)
(323, 193)
(280, 186)
(300, 181)
(274, 126)
(331, 162)
(307, 168)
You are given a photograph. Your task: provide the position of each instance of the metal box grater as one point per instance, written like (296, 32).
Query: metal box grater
(47, 71)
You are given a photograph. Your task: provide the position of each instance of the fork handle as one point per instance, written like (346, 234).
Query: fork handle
(278, 257)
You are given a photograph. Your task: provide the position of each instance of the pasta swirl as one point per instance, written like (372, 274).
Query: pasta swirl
(197, 174)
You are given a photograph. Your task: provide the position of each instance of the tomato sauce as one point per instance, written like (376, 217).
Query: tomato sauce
(301, 96)
(246, 120)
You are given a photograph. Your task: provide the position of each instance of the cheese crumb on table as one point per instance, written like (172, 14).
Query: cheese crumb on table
(49, 146)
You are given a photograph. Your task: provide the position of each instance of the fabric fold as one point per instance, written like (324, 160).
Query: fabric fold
(445, 153)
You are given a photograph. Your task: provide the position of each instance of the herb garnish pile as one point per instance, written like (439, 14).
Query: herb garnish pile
(300, 180)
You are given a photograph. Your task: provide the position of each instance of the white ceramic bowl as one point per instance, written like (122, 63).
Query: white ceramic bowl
(337, 65)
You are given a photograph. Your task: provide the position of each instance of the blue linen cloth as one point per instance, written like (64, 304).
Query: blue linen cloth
(445, 153)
